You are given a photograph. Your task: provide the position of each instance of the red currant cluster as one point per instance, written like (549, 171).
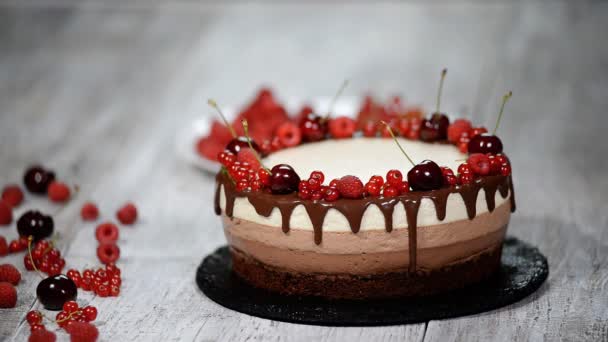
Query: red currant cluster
(45, 258)
(407, 127)
(105, 281)
(460, 133)
(247, 174)
(394, 185)
(73, 313)
(314, 189)
(15, 246)
(483, 165)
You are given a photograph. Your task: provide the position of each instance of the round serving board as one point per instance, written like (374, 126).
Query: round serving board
(523, 271)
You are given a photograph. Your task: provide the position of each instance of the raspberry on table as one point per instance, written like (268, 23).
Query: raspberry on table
(6, 213)
(58, 192)
(3, 246)
(12, 195)
(42, 335)
(108, 252)
(106, 232)
(10, 274)
(89, 212)
(127, 214)
(82, 332)
(8, 295)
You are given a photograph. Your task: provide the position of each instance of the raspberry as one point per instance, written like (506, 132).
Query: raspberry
(246, 155)
(3, 246)
(108, 252)
(6, 213)
(127, 214)
(289, 134)
(106, 232)
(342, 127)
(456, 129)
(350, 187)
(8, 295)
(82, 332)
(12, 195)
(58, 192)
(209, 148)
(9, 274)
(42, 335)
(89, 212)
(480, 164)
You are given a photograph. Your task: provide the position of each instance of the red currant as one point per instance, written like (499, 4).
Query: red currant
(373, 189)
(390, 191)
(331, 195)
(34, 317)
(264, 176)
(304, 194)
(505, 169)
(316, 196)
(404, 187)
(314, 184)
(89, 313)
(450, 179)
(465, 178)
(394, 178)
(378, 180)
(317, 175)
(464, 168)
(70, 306)
(242, 185)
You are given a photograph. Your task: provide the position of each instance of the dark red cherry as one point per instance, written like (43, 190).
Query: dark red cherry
(425, 176)
(435, 128)
(37, 179)
(36, 224)
(313, 127)
(55, 290)
(283, 179)
(485, 143)
(236, 144)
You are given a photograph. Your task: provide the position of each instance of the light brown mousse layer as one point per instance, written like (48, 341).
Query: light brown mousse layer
(368, 252)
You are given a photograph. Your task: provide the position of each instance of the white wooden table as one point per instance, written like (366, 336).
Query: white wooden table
(97, 92)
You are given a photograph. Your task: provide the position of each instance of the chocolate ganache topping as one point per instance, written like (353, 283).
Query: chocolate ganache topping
(354, 209)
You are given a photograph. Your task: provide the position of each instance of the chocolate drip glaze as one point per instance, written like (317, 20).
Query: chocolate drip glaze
(264, 203)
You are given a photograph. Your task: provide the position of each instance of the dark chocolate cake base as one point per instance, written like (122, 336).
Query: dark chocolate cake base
(384, 285)
(522, 271)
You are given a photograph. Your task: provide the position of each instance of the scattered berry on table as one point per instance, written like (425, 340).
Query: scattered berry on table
(33, 317)
(3, 246)
(127, 214)
(108, 252)
(89, 212)
(8, 295)
(10, 274)
(58, 192)
(106, 232)
(42, 335)
(82, 332)
(6, 213)
(12, 195)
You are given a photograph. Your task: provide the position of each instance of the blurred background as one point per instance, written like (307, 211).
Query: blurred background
(100, 89)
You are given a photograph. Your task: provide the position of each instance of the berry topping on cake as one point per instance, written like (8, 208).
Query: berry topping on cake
(436, 128)
(350, 187)
(479, 163)
(489, 143)
(284, 179)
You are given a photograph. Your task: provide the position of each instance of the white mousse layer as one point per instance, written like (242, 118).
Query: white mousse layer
(363, 157)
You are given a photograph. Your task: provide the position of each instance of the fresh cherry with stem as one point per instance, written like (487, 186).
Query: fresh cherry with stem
(425, 175)
(436, 128)
(489, 143)
(237, 143)
(313, 126)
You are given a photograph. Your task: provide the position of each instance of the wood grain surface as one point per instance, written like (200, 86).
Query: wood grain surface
(98, 91)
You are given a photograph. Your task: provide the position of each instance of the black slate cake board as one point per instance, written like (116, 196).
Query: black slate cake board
(523, 271)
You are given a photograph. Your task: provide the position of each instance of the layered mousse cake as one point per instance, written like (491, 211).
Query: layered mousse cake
(411, 207)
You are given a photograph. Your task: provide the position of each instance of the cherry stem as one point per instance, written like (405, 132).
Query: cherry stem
(397, 142)
(255, 153)
(335, 98)
(214, 105)
(443, 72)
(505, 98)
(30, 239)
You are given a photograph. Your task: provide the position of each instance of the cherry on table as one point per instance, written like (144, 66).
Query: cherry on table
(54, 291)
(283, 179)
(37, 179)
(425, 176)
(36, 224)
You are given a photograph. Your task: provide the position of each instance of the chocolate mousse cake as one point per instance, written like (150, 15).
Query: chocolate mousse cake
(414, 228)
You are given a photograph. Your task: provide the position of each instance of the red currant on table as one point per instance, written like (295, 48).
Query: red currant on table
(127, 214)
(89, 313)
(89, 212)
(70, 306)
(33, 317)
